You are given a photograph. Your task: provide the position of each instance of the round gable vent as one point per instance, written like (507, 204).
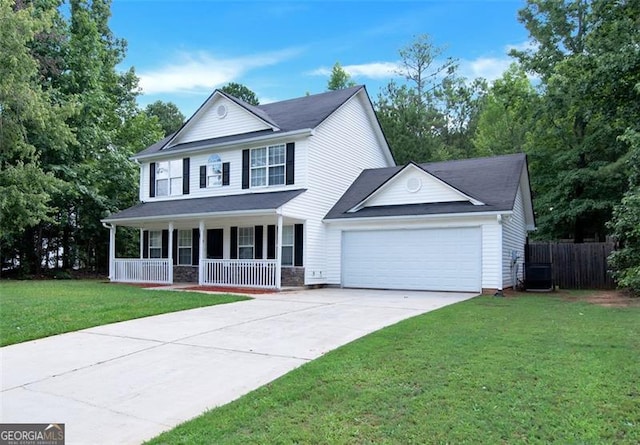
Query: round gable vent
(413, 184)
(221, 111)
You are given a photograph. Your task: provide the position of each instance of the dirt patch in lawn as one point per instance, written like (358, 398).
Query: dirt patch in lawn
(609, 298)
(226, 290)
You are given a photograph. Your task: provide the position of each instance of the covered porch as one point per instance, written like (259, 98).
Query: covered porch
(259, 248)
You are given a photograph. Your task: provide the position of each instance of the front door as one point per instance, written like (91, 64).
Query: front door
(215, 244)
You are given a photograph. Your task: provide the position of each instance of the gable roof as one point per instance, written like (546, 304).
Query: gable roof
(494, 181)
(285, 116)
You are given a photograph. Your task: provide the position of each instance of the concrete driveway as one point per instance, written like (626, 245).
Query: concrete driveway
(127, 382)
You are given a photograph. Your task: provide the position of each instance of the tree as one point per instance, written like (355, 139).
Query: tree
(431, 116)
(168, 114)
(507, 114)
(241, 92)
(30, 118)
(586, 57)
(339, 79)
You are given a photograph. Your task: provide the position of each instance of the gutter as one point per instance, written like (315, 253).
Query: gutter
(190, 216)
(413, 217)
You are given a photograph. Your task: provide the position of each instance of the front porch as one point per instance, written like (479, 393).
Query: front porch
(264, 253)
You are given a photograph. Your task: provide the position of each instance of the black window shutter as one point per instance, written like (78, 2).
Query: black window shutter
(234, 243)
(165, 244)
(298, 235)
(257, 242)
(175, 246)
(185, 176)
(245, 169)
(290, 169)
(215, 248)
(152, 179)
(271, 242)
(203, 176)
(225, 173)
(145, 244)
(195, 244)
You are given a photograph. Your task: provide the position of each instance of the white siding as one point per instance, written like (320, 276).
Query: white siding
(396, 191)
(514, 238)
(342, 146)
(209, 125)
(491, 255)
(234, 158)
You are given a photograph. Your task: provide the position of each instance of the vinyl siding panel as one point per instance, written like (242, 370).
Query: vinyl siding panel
(514, 238)
(491, 255)
(396, 191)
(234, 158)
(209, 125)
(342, 146)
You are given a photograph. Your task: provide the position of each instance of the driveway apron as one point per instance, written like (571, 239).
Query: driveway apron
(127, 382)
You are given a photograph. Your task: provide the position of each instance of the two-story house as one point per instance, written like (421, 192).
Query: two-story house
(306, 192)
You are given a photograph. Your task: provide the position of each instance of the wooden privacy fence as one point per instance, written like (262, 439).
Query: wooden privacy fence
(575, 266)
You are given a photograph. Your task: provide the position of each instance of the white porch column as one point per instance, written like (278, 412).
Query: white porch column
(112, 252)
(203, 246)
(141, 243)
(170, 255)
(279, 253)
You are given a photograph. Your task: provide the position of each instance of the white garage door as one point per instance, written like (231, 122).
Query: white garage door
(426, 259)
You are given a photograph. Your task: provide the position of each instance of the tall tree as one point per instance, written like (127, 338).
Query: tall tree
(30, 118)
(241, 92)
(339, 78)
(507, 114)
(168, 115)
(586, 56)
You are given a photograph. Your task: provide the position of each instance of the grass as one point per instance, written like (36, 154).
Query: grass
(36, 309)
(530, 369)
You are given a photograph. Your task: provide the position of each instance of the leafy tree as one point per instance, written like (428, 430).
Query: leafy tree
(586, 57)
(339, 79)
(625, 224)
(168, 114)
(241, 92)
(507, 114)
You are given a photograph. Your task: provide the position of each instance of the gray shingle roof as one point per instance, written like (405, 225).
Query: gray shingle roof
(288, 115)
(199, 206)
(494, 181)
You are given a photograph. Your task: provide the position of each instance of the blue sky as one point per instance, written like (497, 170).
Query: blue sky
(183, 50)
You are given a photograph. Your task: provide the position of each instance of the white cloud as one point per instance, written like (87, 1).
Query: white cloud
(202, 71)
(374, 70)
(489, 68)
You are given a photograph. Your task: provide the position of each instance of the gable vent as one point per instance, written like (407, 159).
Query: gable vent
(221, 111)
(414, 184)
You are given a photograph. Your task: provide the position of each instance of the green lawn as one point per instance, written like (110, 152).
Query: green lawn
(36, 309)
(530, 369)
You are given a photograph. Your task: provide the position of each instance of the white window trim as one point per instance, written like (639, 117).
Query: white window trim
(246, 246)
(184, 247)
(267, 166)
(172, 167)
(292, 245)
(210, 169)
(158, 247)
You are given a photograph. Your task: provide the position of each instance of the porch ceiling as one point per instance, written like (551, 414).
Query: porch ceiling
(250, 204)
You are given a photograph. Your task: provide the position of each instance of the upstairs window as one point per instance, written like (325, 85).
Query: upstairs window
(268, 166)
(169, 178)
(214, 171)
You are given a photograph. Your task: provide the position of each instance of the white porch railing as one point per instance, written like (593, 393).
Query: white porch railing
(141, 271)
(250, 273)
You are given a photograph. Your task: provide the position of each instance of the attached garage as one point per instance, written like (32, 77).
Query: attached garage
(444, 259)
